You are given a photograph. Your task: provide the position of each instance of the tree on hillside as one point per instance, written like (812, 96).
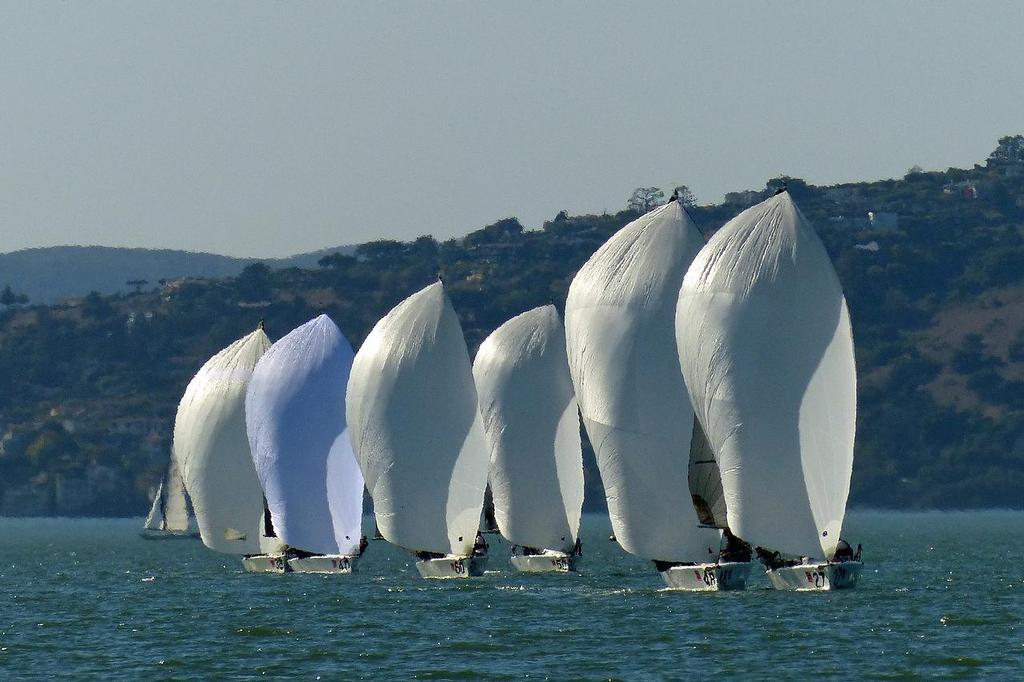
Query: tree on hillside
(9, 298)
(644, 199)
(337, 261)
(495, 233)
(1010, 150)
(254, 283)
(686, 197)
(381, 250)
(137, 284)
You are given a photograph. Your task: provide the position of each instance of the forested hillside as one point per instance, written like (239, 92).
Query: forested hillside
(932, 265)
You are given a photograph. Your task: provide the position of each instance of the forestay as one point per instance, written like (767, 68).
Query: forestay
(531, 419)
(295, 416)
(212, 450)
(622, 354)
(766, 348)
(416, 431)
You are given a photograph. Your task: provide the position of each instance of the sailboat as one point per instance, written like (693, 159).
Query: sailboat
(417, 434)
(169, 517)
(211, 449)
(295, 418)
(620, 337)
(531, 419)
(767, 351)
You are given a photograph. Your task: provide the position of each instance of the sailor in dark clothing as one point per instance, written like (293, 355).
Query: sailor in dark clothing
(843, 552)
(674, 197)
(577, 549)
(735, 550)
(479, 545)
(363, 544)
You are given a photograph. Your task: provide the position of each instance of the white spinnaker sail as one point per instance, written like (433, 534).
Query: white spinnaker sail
(531, 419)
(766, 348)
(212, 450)
(619, 320)
(415, 427)
(155, 519)
(295, 417)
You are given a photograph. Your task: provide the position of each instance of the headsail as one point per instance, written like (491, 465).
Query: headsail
(531, 420)
(622, 352)
(766, 348)
(295, 417)
(415, 427)
(175, 504)
(155, 519)
(212, 451)
(706, 481)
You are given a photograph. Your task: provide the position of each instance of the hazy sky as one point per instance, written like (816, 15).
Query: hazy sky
(272, 128)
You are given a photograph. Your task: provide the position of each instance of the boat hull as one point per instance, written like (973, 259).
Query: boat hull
(554, 562)
(820, 577)
(265, 563)
(325, 563)
(707, 577)
(452, 567)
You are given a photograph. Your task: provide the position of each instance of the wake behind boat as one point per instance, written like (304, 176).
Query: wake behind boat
(622, 353)
(295, 417)
(531, 419)
(767, 352)
(416, 431)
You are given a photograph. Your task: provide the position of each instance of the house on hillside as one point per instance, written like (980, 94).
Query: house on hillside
(883, 220)
(965, 189)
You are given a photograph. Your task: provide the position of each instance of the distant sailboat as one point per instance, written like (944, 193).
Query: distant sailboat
(622, 353)
(531, 420)
(169, 517)
(767, 352)
(212, 451)
(417, 434)
(295, 416)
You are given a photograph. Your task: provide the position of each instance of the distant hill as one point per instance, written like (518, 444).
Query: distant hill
(48, 275)
(932, 265)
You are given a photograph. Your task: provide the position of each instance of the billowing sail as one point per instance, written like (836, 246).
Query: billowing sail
(531, 420)
(415, 427)
(619, 321)
(766, 348)
(706, 481)
(295, 417)
(212, 450)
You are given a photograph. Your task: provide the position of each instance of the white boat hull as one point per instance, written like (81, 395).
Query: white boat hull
(708, 577)
(265, 563)
(325, 563)
(820, 577)
(452, 567)
(553, 562)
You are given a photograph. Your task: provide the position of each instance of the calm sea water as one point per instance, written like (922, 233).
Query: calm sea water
(942, 596)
